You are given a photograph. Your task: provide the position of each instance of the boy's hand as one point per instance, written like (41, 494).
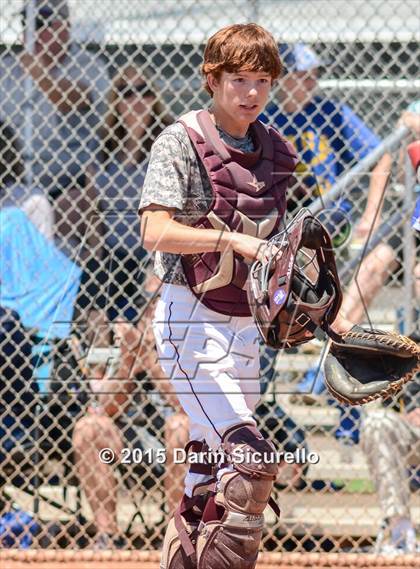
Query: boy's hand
(252, 248)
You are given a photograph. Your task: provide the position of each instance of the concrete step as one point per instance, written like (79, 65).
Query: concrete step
(296, 362)
(336, 460)
(329, 460)
(316, 513)
(334, 514)
(320, 415)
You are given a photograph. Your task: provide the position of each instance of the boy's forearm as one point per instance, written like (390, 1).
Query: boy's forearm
(174, 237)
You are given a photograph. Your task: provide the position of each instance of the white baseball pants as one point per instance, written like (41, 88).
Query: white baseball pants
(213, 363)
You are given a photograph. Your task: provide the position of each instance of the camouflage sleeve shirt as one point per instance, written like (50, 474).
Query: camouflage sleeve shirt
(177, 179)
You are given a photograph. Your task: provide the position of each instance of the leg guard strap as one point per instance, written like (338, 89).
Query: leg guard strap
(191, 510)
(203, 467)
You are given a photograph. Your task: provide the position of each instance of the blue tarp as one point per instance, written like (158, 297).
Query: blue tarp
(36, 280)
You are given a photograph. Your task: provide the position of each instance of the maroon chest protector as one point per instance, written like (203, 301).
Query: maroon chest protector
(249, 196)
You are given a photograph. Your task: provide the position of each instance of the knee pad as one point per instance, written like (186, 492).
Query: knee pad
(232, 542)
(247, 490)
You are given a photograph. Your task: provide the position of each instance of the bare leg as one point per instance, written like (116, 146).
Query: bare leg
(138, 353)
(373, 272)
(92, 433)
(137, 348)
(176, 436)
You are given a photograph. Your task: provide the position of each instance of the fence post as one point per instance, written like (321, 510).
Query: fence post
(408, 245)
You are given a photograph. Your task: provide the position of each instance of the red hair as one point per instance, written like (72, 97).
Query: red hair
(245, 47)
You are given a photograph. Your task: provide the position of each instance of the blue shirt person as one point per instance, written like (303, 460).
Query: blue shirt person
(328, 135)
(330, 138)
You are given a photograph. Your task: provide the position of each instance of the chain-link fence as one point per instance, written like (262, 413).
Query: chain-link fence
(90, 438)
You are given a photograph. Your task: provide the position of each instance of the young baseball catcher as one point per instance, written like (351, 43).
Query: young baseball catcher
(213, 203)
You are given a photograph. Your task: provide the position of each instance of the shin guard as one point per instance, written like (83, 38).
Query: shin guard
(232, 542)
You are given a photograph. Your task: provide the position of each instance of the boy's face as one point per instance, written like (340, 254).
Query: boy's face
(242, 95)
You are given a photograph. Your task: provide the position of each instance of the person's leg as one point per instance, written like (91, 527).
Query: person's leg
(374, 270)
(91, 434)
(386, 439)
(213, 363)
(176, 437)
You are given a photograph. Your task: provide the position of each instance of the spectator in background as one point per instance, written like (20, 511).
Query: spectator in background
(37, 296)
(330, 139)
(411, 119)
(13, 191)
(54, 98)
(390, 440)
(372, 215)
(135, 117)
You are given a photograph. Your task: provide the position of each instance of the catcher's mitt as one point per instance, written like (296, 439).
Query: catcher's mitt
(296, 293)
(369, 364)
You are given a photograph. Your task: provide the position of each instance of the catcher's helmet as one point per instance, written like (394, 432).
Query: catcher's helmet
(290, 299)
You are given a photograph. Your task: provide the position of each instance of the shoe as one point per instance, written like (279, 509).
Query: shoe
(402, 543)
(105, 541)
(390, 550)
